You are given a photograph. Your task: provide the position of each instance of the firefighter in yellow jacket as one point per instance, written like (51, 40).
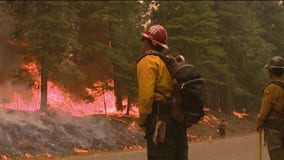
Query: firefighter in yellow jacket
(166, 138)
(271, 115)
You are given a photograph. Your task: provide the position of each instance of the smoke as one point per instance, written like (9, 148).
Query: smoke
(10, 58)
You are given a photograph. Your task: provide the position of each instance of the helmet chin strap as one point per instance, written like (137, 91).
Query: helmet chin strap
(146, 46)
(152, 52)
(148, 49)
(154, 43)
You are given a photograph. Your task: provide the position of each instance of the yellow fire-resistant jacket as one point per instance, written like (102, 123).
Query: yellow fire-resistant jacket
(152, 76)
(273, 96)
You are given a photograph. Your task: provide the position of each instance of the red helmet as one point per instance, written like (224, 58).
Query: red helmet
(157, 34)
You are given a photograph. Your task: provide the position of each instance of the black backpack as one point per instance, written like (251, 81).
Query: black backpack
(188, 86)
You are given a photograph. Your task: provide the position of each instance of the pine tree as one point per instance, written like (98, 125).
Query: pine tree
(109, 38)
(270, 15)
(192, 30)
(50, 29)
(122, 33)
(246, 51)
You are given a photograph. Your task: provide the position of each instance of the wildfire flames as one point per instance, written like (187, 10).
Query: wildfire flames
(240, 115)
(61, 100)
(104, 104)
(209, 120)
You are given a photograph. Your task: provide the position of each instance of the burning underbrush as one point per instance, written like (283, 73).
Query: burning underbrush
(236, 125)
(33, 134)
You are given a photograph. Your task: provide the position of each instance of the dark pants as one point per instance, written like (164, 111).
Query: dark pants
(222, 132)
(274, 144)
(175, 146)
(273, 133)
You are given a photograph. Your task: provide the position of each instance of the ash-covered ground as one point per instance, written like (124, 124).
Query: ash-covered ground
(33, 134)
(55, 133)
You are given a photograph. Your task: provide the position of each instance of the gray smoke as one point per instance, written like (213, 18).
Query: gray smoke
(9, 55)
(10, 58)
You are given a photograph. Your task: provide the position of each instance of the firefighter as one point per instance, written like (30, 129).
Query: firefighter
(271, 115)
(166, 138)
(222, 128)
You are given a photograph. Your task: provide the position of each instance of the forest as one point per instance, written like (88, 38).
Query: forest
(77, 43)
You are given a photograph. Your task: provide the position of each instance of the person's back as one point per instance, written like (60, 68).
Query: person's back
(166, 138)
(271, 116)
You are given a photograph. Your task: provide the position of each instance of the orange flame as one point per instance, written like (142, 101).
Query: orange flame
(61, 100)
(240, 115)
(4, 157)
(17, 43)
(219, 110)
(209, 120)
(47, 155)
(79, 150)
(207, 109)
(28, 155)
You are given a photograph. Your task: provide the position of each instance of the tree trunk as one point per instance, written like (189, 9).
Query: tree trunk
(118, 101)
(117, 94)
(104, 98)
(128, 107)
(43, 88)
(218, 96)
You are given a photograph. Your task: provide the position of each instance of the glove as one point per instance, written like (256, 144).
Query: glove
(159, 135)
(141, 121)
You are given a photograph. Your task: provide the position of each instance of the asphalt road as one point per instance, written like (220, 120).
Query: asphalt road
(240, 148)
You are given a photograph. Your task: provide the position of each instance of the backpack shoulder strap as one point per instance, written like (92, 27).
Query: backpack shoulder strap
(167, 60)
(141, 57)
(151, 53)
(278, 83)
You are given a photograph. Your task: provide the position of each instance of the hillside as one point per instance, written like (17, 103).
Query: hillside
(35, 134)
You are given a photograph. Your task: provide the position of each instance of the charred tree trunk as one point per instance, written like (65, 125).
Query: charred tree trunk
(219, 96)
(117, 94)
(128, 106)
(104, 99)
(118, 101)
(43, 87)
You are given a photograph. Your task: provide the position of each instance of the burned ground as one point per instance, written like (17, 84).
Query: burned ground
(31, 134)
(38, 133)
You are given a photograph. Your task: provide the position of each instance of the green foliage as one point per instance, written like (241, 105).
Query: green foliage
(246, 51)
(270, 15)
(121, 31)
(83, 42)
(49, 29)
(192, 29)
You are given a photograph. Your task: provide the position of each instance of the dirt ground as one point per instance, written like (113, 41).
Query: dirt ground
(34, 135)
(235, 148)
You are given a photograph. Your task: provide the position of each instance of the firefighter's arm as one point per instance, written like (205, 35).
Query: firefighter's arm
(270, 96)
(266, 105)
(146, 76)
